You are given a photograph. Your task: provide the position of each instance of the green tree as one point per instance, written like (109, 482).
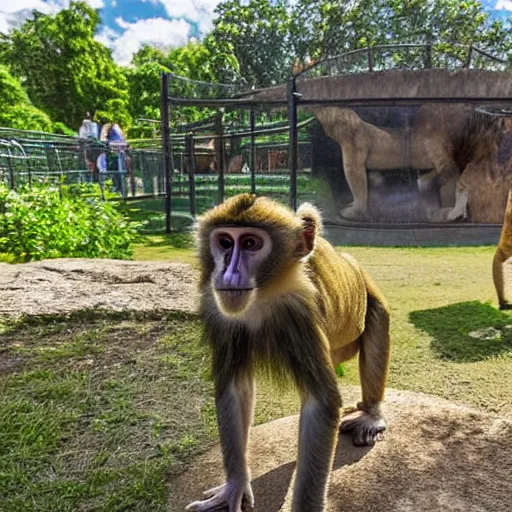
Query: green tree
(202, 62)
(257, 33)
(16, 110)
(144, 96)
(65, 70)
(321, 28)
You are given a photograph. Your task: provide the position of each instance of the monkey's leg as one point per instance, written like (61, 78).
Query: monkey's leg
(318, 425)
(366, 423)
(354, 165)
(497, 274)
(235, 406)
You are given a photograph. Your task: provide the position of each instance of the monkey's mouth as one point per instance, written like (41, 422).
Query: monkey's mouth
(234, 300)
(235, 291)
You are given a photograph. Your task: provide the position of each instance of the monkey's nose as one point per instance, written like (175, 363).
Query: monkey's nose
(232, 277)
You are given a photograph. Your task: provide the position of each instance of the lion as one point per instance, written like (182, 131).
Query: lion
(441, 139)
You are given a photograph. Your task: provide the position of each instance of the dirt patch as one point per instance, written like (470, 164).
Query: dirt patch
(67, 285)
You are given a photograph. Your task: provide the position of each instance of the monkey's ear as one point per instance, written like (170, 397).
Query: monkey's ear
(311, 220)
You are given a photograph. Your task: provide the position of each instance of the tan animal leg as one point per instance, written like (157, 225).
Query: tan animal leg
(497, 274)
(460, 210)
(354, 164)
(365, 422)
(449, 173)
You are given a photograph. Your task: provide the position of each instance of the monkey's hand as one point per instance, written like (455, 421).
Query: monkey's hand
(229, 494)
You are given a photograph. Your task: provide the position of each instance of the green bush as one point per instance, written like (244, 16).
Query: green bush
(69, 221)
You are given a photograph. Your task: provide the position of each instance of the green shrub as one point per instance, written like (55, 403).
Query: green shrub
(69, 221)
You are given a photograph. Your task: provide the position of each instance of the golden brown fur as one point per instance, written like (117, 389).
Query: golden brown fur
(312, 309)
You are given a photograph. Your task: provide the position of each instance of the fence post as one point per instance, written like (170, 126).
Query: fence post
(166, 146)
(252, 123)
(219, 152)
(428, 56)
(292, 149)
(370, 58)
(191, 169)
(469, 57)
(12, 183)
(132, 175)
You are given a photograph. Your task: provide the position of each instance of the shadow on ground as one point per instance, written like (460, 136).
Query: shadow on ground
(466, 331)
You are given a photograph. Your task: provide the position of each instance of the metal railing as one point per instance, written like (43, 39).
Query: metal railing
(391, 56)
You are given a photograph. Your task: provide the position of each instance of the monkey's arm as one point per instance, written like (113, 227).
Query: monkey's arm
(234, 402)
(318, 432)
(317, 439)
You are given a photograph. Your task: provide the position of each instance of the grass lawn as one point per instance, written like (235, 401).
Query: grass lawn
(96, 412)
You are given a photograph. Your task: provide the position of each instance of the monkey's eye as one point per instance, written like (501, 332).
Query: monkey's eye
(252, 243)
(225, 242)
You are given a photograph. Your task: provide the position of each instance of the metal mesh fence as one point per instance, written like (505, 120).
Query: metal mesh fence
(130, 171)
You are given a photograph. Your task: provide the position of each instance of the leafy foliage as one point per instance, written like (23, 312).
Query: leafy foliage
(257, 33)
(323, 28)
(16, 110)
(69, 221)
(203, 62)
(65, 70)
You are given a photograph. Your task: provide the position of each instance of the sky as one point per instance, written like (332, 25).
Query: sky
(129, 24)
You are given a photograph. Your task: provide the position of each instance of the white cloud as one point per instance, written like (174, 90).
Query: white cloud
(199, 11)
(157, 32)
(14, 12)
(505, 5)
(122, 23)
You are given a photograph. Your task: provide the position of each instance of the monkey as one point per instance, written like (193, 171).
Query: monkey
(275, 294)
(502, 254)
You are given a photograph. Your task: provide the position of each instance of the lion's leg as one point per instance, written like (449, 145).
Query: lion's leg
(451, 194)
(460, 210)
(354, 160)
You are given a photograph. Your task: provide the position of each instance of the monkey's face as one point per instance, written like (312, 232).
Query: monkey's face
(237, 252)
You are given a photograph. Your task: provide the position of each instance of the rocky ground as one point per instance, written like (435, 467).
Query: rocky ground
(67, 285)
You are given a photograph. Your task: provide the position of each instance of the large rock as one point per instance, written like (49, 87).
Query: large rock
(67, 285)
(436, 456)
